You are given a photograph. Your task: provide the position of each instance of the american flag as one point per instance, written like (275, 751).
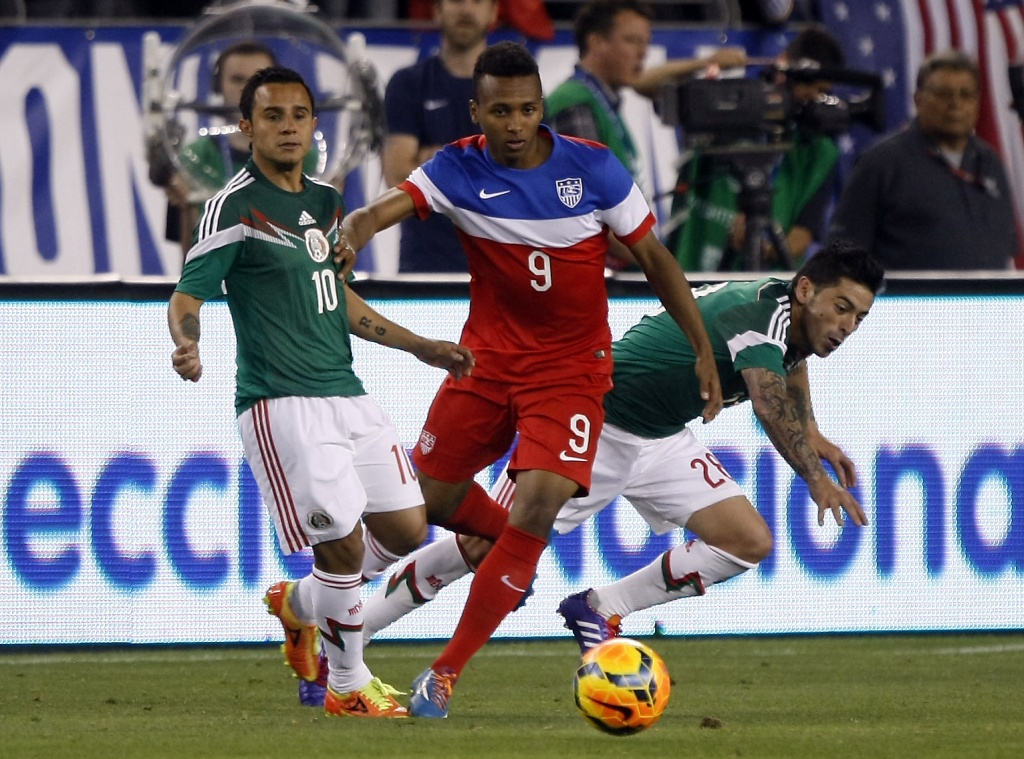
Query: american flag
(894, 37)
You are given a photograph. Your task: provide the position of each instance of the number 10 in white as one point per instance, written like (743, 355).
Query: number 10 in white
(326, 286)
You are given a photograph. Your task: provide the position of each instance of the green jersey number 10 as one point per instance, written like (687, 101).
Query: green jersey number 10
(325, 282)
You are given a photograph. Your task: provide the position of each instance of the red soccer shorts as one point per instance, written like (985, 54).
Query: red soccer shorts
(472, 423)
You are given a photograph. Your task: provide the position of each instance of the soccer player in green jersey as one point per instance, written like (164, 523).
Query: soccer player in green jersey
(762, 333)
(328, 461)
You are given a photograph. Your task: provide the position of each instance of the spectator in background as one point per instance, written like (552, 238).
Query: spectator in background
(933, 195)
(427, 106)
(612, 37)
(712, 236)
(530, 17)
(209, 162)
(375, 10)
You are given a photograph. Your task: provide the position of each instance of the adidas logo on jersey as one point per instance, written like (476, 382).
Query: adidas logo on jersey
(305, 220)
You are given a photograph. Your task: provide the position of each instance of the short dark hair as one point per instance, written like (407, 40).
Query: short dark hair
(843, 260)
(271, 75)
(955, 60)
(599, 17)
(505, 59)
(246, 47)
(815, 43)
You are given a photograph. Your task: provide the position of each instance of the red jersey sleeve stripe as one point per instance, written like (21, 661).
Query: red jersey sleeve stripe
(418, 198)
(640, 232)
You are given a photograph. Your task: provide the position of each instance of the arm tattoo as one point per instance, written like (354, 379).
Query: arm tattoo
(367, 325)
(801, 400)
(784, 420)
(189, 325)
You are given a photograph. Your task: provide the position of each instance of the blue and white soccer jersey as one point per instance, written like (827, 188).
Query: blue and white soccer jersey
(535, 240)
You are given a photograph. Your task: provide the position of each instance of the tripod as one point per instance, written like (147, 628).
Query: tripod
(752, 166)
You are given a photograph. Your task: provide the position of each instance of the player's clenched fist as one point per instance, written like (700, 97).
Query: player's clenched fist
(185, 361)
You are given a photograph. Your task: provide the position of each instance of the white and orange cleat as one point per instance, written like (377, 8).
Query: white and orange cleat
(301, 641)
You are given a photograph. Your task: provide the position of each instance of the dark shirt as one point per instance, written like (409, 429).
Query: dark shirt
(908, 205)
(428, 103)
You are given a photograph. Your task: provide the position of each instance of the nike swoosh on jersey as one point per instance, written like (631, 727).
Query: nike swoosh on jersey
(504, 579)
(433, 105)
(484, 195)
(566, 457)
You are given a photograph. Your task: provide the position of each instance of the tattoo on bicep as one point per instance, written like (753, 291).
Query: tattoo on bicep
(190, 326)
(784, 422)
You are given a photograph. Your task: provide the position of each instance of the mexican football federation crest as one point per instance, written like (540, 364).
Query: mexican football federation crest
(317, 245)
(570, 191)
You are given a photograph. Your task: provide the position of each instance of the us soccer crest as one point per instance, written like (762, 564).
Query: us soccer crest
(427, 441)
(317, 245)
(570, 191)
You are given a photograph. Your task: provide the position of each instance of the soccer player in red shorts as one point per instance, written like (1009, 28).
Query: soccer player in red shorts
(533, 210)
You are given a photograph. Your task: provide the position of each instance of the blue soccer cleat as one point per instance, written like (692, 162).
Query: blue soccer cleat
(431, 692)
(588, 627)
(313, 692)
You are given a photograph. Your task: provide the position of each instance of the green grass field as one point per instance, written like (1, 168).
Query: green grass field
(788, 697)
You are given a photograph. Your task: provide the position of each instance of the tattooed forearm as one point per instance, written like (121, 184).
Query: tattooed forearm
(189, 326)
(784, 421)
(368, 327)
(799, 393)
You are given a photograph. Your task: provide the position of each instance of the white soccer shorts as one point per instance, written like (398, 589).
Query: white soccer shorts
(320, 463)
(665, 479)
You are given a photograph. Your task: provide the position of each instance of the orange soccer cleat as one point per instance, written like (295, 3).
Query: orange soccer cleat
(301, 641)
(375, 699)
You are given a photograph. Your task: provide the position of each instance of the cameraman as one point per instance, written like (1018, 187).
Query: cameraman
(612, 37)
(711, 238)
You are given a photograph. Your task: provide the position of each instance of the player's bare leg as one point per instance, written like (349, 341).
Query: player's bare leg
(388, 536)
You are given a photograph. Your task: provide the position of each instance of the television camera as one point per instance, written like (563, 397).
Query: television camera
(750, 123)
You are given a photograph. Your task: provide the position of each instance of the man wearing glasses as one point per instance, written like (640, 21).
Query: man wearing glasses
(933, 195)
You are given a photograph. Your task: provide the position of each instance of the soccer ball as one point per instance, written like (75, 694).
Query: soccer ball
(621, 686)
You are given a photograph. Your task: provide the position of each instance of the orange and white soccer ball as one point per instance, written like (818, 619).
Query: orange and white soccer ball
(622, 686)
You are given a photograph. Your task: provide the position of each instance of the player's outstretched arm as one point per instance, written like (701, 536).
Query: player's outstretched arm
(183, 321)
(359, 227)
(781, 419)
(673, 289)
(369, 324)
(798, 385)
